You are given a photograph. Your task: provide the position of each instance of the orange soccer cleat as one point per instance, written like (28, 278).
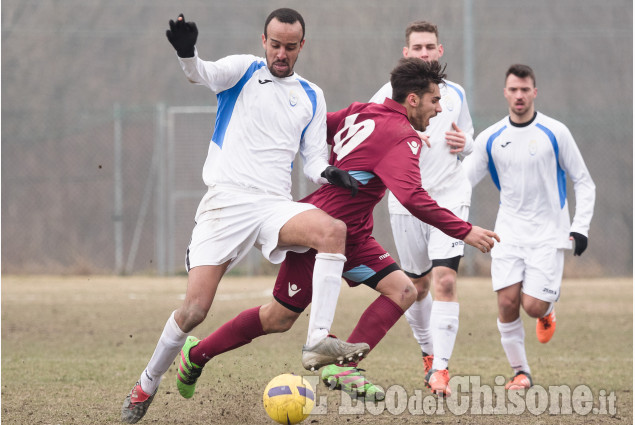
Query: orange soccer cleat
(427, 362)
(522, 380)
(545, 327)
(438, 381)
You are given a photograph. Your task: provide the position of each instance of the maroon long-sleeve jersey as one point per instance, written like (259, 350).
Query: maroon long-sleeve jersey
(377, 145)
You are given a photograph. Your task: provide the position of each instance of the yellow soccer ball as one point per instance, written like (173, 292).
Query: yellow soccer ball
(288, 399)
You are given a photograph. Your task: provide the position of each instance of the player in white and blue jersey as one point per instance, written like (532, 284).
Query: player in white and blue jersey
(266, 114)
(529, 156)
(426, 253)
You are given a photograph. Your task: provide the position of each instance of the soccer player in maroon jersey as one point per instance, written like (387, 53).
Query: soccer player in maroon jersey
(378, 145)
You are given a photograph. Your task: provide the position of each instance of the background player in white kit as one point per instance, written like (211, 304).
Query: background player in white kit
(529, 156)
(266, 113)
(425, 253)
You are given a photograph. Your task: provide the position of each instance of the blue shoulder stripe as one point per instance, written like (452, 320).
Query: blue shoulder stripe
(227, 102)
(313, 97)
(456, 89)
(561, 175)
(490, 164)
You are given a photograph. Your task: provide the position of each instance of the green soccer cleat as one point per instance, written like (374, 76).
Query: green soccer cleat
(351, 381)
(188, 372)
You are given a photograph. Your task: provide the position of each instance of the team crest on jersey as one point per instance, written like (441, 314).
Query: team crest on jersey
(414, 146)
(293, 98)
(446, 101)
(533, 147)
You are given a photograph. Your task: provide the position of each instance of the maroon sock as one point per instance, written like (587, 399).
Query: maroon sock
(233, 334)
(376, 321)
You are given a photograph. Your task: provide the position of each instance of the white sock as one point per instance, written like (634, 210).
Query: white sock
(418, 316)
(513, 340)
(168, 347)
(444, 322)
(327, 281)
(549, 310)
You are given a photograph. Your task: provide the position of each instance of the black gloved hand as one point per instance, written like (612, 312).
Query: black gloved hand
(581, 242)
(182, 35)
(340, 178)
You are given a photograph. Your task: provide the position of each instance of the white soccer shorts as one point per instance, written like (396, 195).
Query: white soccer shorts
(230, 220)
(540, 270)
(419, 243)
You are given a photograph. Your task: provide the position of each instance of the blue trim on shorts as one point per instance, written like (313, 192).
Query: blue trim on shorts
(367, 276)
(359, 273)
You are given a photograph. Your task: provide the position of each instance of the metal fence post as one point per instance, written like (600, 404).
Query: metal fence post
(118, 190)
(160, 200)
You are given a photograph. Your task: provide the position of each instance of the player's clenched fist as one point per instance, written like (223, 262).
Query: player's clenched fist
(182, 35)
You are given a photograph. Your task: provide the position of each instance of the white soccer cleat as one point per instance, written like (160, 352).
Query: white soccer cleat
(332, 350)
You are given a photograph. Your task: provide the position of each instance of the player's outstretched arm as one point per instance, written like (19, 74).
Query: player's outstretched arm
(182, 35)
(482, 239)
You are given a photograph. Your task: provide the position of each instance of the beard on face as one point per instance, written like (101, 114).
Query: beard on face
(280, 74)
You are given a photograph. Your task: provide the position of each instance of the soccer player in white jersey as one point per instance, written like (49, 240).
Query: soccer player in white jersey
(266, 113)
(426, 254)
(528, 156)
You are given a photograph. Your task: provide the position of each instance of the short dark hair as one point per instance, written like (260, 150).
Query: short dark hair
(421, 26)
(414, 75)
(286, 16)
(521, 71)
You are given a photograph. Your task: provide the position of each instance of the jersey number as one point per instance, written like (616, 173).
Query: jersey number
(355, 134)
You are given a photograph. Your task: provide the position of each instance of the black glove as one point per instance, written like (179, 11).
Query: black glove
(340, 178)
(581, 242)
(182, 35)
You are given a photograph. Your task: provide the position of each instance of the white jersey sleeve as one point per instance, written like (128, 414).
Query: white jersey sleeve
(384, 92)
(476, 164)
(573, 164)
(262, 122)
(529, 164)
(217, 76)
(313, 147)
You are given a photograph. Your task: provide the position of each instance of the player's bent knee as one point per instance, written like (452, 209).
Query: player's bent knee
(335, 232)
(285, 324)
(508, 305)
(422, 284)
(445, 286)
(189, 317)
(535, 310)
(275, 318)
(407, 296)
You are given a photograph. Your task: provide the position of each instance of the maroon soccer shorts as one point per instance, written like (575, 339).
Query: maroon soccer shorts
(366, 262)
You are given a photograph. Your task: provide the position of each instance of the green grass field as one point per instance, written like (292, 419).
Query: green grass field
(72, 347)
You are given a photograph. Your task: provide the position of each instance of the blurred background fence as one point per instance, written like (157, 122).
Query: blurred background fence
(103, 139)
